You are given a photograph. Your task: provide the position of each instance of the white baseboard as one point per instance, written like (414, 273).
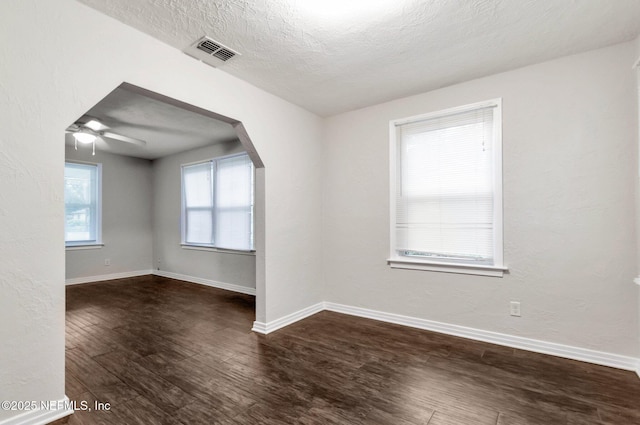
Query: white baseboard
(192, 279)
(260, 327)
(42, 417)
(207, 282)
(100, 278)
(559, 350)
(274, 325)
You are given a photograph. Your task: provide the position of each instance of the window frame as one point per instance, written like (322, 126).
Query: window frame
(496, 269)
(97, 243)
(183, 219)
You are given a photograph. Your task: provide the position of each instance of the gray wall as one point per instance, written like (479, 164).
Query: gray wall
(141, 221)
(225, 267)
(570, 163)
(637, 181)
(126, 217)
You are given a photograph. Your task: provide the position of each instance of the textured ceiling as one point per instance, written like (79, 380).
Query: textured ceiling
(338, 60)
(167, 129)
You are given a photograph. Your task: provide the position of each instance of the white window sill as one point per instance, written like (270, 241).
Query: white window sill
(80, 247)
(220, 250)
(435, 266)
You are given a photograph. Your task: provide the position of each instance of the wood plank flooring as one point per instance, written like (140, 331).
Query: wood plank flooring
(161, 351)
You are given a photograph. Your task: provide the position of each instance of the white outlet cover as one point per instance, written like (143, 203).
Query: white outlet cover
(514, 308)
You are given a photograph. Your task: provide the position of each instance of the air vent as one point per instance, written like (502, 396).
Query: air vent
(210, 51)
(224, 54)
(208, 46)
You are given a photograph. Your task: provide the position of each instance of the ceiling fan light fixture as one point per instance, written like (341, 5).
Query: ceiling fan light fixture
(94, 125)
(84, 138)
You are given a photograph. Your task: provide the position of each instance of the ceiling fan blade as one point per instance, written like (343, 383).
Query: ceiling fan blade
(122, 138)
(72, 128)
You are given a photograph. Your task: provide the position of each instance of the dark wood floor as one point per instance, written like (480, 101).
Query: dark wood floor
(161, 351)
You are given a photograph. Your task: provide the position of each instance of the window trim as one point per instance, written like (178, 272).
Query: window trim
(83, 246)
(183, 222)
(496, 269)
(221, 250)
(98, 243)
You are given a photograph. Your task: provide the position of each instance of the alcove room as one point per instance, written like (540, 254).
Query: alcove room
(144, 182)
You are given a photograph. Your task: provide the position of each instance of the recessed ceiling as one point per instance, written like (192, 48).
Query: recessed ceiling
(166, 129)
(337, 60)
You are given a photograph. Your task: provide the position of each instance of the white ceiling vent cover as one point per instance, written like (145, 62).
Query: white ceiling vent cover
(211, 52)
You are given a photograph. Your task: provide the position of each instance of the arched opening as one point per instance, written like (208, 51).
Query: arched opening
(148, 178)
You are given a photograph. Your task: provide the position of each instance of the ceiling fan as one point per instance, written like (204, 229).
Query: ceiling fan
(88, 129)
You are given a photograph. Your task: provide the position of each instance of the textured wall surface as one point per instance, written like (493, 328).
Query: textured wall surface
(87, 55)
(637, 71)
(126, 217)
(226, 267)
(333, 56)
(569, 145)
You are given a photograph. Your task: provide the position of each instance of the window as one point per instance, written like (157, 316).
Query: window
(446, 191)
(217, 203)
(82, 209)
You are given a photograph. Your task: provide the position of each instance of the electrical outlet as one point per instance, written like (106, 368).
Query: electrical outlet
(107, 261)
(514, 308)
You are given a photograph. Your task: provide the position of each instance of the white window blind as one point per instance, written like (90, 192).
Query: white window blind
(234, 203)
(82, 204)
(445, 188)
(198, 203)
(218, 203)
